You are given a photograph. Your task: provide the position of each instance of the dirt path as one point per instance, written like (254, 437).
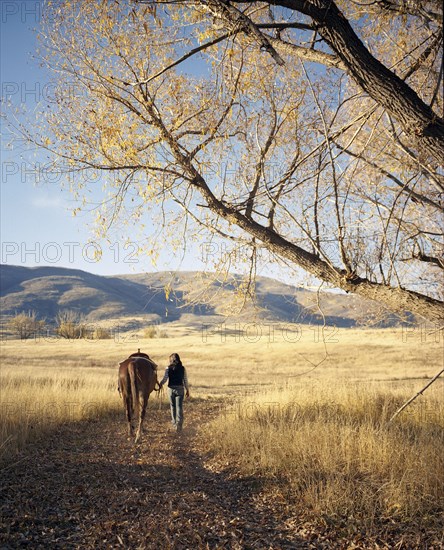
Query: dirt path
(88, 486)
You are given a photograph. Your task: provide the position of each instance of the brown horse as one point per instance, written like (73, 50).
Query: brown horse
(137, 379)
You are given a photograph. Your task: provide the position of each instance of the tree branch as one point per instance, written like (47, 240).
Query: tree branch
(385, 87)
(238, 21)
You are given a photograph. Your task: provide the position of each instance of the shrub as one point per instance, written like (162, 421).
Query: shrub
(150, 332)
(71, 325)
(101, 333)
(26, 325)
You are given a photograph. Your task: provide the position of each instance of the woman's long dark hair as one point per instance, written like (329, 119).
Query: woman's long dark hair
(175, 361)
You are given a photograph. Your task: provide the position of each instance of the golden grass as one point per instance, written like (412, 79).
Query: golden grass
(36, 400)
(331, 448)
(308, 410)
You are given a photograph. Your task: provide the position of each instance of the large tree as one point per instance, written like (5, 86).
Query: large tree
(306, 127)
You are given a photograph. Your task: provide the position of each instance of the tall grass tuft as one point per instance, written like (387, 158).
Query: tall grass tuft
(331, 450)
(34, 403)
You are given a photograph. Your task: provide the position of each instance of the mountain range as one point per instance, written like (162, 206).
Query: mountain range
(169, 297)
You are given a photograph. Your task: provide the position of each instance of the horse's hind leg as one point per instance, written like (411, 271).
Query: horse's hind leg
(128, 407)
(142, 411)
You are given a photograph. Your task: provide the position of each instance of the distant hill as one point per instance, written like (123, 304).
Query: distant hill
(167, 297)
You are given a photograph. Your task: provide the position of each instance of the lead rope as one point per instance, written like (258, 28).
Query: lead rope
(160, 394)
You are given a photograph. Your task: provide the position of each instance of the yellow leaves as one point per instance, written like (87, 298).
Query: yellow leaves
(204, 35)
(168, 289)
(201, 37)
(144, 194)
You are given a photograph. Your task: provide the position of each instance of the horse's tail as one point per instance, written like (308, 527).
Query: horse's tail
(133, 381)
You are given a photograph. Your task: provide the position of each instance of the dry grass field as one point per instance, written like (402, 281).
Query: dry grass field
(303, 409)
(50, 380)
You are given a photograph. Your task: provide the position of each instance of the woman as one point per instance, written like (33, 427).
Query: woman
(176, 375)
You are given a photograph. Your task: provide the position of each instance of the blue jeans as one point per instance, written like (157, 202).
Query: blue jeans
(176, 394)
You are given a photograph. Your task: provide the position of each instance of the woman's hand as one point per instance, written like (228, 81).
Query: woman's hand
(187, 393)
